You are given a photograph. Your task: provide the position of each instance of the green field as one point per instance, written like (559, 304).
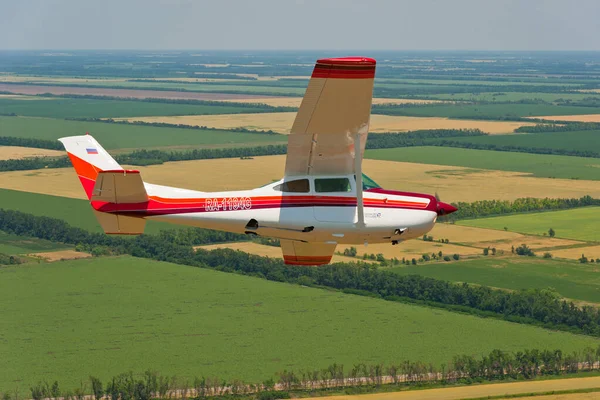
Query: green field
(220, 87)
(461, 110)
(579, 223)
(89, 108)
(74, 211)
(579, 140)
(117, 136)
(540, 165)
(15, 245)
(570, 279)
(501, 96)
(68, 320)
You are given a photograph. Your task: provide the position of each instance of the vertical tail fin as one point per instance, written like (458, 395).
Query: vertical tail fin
(88, 159)
(107, 185)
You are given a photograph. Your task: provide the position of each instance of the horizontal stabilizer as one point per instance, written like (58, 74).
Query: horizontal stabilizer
(119, 187)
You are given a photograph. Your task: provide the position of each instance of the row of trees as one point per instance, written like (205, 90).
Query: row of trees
(512, 148)
(263, 107)
(498, 365)
(152, 157)
(565, 126)
(485, 208)
(6, 259)
(538, 307)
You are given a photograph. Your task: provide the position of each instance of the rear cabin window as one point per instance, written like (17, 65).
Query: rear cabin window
(297, 186)
(332, 185)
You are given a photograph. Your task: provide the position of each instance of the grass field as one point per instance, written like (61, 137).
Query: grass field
(580, 141)
(16, 152)
(76, 212)
(89, 108)
(571, 279)
(460, 110)
(115, 136)
(539, 165)
(109, 315)
(451, 183)
(20, 245)
(578, 224)
(282, 122)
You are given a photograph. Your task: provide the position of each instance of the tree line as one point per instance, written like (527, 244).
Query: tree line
(485, 208)
(562, 127)
(262, 106)
(497, 365)
(151, 157)
(513, 148)
(537, 307)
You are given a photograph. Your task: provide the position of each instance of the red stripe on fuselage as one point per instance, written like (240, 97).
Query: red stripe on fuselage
(163, 206)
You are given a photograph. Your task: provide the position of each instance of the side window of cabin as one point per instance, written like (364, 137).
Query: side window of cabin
(332, 185)
(297, 186)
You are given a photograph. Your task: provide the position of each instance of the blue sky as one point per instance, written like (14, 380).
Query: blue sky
(301, 24)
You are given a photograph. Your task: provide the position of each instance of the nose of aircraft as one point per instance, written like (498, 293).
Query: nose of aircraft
(445, 208)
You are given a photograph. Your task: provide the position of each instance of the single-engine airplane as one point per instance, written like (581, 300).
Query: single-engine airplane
(323, 199)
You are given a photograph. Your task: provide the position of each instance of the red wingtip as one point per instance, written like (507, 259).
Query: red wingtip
(347, 61)
(87, 133)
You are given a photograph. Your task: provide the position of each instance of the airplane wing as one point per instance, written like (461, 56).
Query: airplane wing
(335, 112)
(303, 253)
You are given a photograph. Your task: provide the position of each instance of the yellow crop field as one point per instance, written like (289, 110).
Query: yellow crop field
(263, 250)
(282, 122)
(16, 152)
(411, 249)
(295, 101)
(483, 391)
(60, 255)
(453, 184)
(576, 118)
(574, 254)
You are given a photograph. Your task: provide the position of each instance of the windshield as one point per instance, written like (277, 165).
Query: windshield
(369, 183)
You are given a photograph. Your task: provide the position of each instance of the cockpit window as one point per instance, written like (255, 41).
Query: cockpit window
(297, 186)
(330, 185)
(368, 183)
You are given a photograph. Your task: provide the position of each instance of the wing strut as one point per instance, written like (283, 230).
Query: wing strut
(359, 184)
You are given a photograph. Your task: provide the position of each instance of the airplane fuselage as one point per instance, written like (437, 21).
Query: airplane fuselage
(313, 214)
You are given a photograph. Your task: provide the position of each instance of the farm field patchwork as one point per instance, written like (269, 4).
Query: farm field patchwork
(577, 118)
(462, 110)
(295, 101)
(511, 96)
(410, 249)
(282, 122)
(539, 165)
(117, 136)
(17, 152)
(584, 141)
(199, 322)
(578, 224)
(93, 108)
(264, 250)
(453, 184)
(570, 279)
(133, 93)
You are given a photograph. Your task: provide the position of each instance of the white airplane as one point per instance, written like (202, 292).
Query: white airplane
(323, 199)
